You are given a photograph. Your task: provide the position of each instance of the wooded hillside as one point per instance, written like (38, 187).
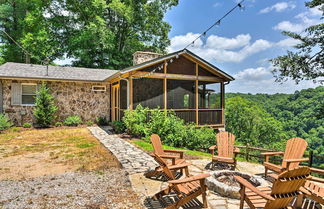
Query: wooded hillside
(277, 118)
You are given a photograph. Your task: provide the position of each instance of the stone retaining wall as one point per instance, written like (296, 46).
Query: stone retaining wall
(72, 98)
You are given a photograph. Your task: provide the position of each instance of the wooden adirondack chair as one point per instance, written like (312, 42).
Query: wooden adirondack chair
(177, 161)
(312, 190)
(183, 190)
(292, 156)
(226, 152)
(166, 170)
(166, 153)
(282, 192)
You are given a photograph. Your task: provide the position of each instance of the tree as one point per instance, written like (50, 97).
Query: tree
(95, 33)
(45, 109)
(251, 124)
(307, 62)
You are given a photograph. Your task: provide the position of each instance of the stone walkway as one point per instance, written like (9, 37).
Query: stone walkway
(132, 159)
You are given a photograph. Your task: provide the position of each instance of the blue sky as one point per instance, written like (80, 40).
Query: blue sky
(245, 40)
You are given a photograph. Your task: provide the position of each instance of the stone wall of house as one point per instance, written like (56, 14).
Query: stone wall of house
(140, 57)
(72, 98)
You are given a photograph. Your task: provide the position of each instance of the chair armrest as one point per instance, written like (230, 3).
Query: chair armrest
(247, 184)
(272, 153)
(316, 179)
(189, 179)
(175, 151)
(213, 147)
(304, 190)
(169, 156)
(296, 160)
(236, 150)
(182, 165)
(317, 170)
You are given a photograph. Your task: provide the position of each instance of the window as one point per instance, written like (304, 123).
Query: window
(148, 92)
(28, 94)
(98, 88)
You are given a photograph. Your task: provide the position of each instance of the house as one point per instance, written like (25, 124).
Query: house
(180, 81)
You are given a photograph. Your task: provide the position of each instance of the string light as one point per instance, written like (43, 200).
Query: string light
(218, 22)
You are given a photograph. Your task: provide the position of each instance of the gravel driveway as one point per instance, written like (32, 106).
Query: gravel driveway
(107, 189)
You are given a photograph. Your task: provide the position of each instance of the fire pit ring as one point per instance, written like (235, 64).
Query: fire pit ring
(223, 182)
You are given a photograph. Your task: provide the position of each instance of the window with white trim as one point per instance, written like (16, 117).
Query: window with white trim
(28, 93)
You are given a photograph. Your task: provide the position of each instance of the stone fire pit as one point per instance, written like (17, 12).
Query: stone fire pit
(223, 182)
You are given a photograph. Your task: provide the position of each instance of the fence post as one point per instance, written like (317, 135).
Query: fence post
(310, 156)
(247, 152)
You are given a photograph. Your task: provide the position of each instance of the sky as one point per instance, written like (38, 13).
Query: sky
(245, 40)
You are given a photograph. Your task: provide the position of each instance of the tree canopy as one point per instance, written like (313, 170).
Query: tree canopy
(307, 61)
(95, 33)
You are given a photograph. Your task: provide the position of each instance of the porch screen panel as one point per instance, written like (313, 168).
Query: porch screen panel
(181, 94)
(148, 92)
(123, 95)
(209, 95)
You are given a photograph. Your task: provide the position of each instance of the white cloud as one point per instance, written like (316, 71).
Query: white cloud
(304, 20)
(261, 80)
(278, 7)
(288, 26)
(221, 49)
(228, 43)
(217, 4)
(288, 42)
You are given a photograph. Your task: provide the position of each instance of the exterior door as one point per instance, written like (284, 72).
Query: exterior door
(115, 102)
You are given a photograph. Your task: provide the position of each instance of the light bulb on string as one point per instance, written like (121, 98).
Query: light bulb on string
(242, 7)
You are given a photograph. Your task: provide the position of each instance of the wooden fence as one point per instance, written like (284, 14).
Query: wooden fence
(254, 154)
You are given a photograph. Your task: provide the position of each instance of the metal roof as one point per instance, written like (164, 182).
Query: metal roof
(32, 71)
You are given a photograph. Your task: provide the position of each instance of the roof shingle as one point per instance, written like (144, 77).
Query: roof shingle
(20, 70)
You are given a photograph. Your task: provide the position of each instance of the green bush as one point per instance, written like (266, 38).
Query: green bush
(118, 126)
(45, 109)
(102, 121)
(58, 124)
(136, 121)
(4, 122)
(74, 120)
(89, 123)
(27, 125)
(173, 131)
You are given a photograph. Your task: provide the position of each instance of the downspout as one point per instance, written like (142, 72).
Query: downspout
(127, 81)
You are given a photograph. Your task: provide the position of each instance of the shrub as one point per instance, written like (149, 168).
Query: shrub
(27, 125)
(4, 122)
(89, 123)
(45, 107)
(74, 120)
(136, 121)
(102, 121)
(118, 126)
(58, 124)
(173, 131)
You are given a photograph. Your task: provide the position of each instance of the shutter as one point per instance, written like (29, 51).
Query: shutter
(15, 94)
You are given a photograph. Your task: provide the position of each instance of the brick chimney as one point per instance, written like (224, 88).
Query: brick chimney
(140, 57)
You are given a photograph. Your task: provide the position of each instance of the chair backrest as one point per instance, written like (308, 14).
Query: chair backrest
(295, 149)
(225, 144)
(157, 145)
(286, 187)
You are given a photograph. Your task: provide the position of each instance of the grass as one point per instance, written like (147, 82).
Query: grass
(68, 146)
(148, 147)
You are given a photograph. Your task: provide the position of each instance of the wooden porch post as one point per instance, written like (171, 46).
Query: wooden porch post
(197, 104)
(130, 93)
(223, 102)
(165, 85)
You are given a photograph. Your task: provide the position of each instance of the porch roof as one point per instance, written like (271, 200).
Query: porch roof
(169, 56)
